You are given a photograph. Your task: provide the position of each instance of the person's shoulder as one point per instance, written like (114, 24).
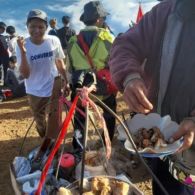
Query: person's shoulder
(165, 5)
(50, 31)
(51, 38)
(73, 39)
(71, 30)
(61, 29)
(3, 37)
(105, 35)
(10, 71)
(159, 13)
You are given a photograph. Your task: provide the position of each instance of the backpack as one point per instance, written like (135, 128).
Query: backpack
(64, 34)
(105, 85)
(3, 46)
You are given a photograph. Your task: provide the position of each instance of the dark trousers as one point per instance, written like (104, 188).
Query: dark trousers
(12, 82)
(173, 187)
(5, 61)
(79, 120)
(19, 91)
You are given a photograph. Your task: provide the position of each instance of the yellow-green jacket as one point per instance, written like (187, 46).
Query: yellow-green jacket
(99, 50)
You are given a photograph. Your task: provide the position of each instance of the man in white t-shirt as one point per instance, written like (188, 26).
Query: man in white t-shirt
(40, 58)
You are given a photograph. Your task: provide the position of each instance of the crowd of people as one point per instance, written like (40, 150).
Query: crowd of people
(151, 65)
(9, 77)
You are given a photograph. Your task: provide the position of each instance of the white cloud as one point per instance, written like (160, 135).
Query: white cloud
(74, 10)
(19, 24)
(121, 12)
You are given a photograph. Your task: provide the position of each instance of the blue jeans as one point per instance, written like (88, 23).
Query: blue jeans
(173, 187)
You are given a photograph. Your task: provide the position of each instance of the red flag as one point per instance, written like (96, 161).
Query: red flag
(139, 14)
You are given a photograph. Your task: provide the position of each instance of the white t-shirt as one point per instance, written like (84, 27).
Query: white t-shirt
(43, 70)
(12, 43)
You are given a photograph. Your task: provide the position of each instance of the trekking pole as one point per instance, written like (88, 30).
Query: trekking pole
(84, 146)
(131, 141)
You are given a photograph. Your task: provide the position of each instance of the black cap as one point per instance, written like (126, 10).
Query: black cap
(10, 30)
(2, 25)
(36, 13)
(92, 11)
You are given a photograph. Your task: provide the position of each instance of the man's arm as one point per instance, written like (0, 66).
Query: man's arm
(131, 48)
(24, 66)
(62, 70)
(129, 52)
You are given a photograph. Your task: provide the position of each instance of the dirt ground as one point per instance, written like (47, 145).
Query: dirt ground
(15, 118)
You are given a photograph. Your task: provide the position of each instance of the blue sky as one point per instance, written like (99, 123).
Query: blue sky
(14, 12)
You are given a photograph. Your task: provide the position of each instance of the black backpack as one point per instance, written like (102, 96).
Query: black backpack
(64, 35)
(3, 46)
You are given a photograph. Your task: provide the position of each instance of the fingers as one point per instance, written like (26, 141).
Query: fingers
(130, 104)
(188, 140)
(135, 97)
(186, 130)
(21, 42)
(143, 99)
(177, 135)
(20, 39)
(134, 104)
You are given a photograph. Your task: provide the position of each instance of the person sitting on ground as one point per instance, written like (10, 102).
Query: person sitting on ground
(12, 40)
(65, 33)
(14, 80)
(53, 25)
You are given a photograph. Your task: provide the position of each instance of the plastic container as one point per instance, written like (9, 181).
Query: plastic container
(67, 165)
(67, 160)
(133, 190)
(90, 168)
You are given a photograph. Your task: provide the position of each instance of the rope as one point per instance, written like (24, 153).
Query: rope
(85, 98)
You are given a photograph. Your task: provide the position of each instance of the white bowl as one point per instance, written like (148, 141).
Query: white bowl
(165, 124)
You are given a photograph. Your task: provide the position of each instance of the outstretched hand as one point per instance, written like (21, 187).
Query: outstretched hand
(187, 131)
(135, 96)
